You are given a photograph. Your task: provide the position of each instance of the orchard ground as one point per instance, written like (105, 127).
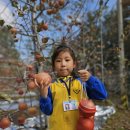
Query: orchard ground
(119, 120)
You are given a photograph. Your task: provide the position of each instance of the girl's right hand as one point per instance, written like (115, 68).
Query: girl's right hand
(43, 87)
(43, 80)
(44, 90)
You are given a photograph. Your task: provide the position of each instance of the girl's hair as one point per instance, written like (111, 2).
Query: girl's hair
(63, 48)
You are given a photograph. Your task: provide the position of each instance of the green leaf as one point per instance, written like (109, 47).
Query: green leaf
(20, 14)
(2, 22)
(15, 4)
(9, 27)
(25, 7)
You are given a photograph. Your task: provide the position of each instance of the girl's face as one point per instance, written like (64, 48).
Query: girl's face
(64, 64)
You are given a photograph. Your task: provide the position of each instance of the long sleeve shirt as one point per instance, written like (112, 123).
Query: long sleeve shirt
(94, 87)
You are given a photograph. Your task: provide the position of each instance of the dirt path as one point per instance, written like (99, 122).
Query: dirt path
(118, 121)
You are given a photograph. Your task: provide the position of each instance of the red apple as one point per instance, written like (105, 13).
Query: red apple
(43, 1)
(31, 75)
(33, 0)
(5, 122)
(13, 30)
(29, 67)
(19, 80)
(21, 119)
(32, 111)
(61, 2)
(20, 92)
(45, 39)
(38, 56)
(31, 85)
(22, 106)
(44, 26)
(49, 11)
(43, 77)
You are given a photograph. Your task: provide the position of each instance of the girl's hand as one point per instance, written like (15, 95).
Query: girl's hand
(44, 90)
(43, 80)
(43, 87)
(84, 75)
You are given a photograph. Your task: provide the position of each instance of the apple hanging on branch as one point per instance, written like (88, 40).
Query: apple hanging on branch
(32, 111)
(20, 91)
(42, 26)
(39, 57)
(31, 85)
(21, 119)
(29, 67)
(22, 106)
(61, 2)
(5, 122)
(13, 30)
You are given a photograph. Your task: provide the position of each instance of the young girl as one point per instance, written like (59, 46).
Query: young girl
(60, 99)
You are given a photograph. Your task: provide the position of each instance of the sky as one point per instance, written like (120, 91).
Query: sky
(6, 14)
(5, 9)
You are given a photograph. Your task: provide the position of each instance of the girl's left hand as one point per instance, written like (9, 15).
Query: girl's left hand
(84, 75)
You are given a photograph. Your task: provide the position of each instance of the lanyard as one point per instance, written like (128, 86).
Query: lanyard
(67, 86)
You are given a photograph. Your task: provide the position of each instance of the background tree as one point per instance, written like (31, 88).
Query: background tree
(126, 24)
(9, 58)
(41, 25)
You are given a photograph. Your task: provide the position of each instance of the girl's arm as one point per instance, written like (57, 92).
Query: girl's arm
(95, 88)
(46, 104)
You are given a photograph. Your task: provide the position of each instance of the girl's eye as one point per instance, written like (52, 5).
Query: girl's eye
(58, 60)
(67, 59)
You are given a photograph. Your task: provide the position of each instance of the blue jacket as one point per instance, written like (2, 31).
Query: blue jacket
(95, 90)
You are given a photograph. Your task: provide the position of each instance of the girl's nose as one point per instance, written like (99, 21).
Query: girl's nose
(63, 63)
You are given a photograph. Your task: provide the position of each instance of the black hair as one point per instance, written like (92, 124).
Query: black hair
(64, 48)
